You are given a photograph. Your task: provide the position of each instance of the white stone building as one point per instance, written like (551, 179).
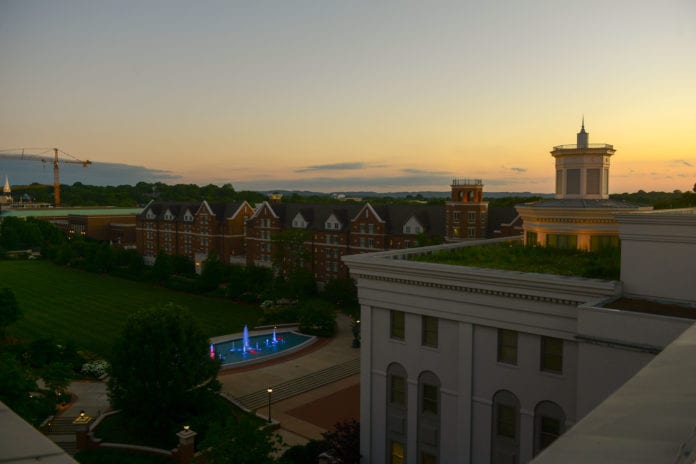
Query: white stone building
(462, 364)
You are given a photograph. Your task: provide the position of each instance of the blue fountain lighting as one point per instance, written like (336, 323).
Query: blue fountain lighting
(251, 348)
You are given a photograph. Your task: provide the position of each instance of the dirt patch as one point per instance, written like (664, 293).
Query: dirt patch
(325, 412)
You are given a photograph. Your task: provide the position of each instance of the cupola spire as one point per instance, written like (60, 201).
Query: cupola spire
(582, 135)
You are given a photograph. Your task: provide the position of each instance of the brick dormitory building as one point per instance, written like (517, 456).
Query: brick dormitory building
(242, 234)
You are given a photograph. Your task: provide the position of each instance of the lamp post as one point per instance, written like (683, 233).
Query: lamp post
(270, 391)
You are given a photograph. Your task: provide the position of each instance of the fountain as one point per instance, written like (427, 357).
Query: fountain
(245, 339)
(275, 340)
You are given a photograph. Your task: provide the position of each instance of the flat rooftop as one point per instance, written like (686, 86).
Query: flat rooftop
(653, 307)
(43, 212)
(514, 256)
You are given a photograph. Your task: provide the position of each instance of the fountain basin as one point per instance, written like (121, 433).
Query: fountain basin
(235, 351)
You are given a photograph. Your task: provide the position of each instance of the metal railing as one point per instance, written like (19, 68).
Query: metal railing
(589, 145)
(467, 181)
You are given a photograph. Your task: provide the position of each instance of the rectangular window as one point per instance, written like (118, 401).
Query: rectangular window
(472, 216)
(531, 239)
(472, 232)
(552, 354)
(455, 217)
(397, 390)
(397, 453)
(573, 181)
(370, 228)
(562, 241)
(506, 421)
(362, 242)
(397, 324)
(407, 229)
(507, 346)
(362, 228)
(599, 242)
(430, 398)
(429, 331)
(370, 243)
(592, 181)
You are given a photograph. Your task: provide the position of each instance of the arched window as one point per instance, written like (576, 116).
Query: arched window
(397, 412)
(505, 434)
(549, 424)
(429, 407)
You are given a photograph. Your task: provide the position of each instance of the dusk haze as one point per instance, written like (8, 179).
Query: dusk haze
(344, 96)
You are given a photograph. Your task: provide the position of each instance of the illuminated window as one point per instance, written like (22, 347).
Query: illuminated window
(397, 453)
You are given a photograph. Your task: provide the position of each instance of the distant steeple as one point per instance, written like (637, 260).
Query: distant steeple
(6, 189)
(582, 135)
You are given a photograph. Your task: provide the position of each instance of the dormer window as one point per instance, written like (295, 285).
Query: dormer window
(168, 216)
(150, 214)
(188, 217)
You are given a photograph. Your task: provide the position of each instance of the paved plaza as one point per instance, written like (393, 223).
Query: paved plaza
(303, 416)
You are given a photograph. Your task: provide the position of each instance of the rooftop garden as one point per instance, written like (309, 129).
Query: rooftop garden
(514, 256)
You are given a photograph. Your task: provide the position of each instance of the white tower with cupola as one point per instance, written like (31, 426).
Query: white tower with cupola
(582, 170)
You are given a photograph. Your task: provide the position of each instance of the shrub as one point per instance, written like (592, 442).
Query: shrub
(95, 368)
(317, 318)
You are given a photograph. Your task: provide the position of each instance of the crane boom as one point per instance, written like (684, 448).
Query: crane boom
(47, 159)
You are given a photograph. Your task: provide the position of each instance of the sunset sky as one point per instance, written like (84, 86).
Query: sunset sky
(345, 95)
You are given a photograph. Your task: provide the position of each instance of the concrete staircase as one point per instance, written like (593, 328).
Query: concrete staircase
(62, 432)
(303, 384)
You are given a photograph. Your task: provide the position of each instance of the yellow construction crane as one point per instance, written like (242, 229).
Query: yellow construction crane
(48, 159)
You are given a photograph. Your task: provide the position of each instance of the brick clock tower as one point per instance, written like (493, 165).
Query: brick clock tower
(466, 213)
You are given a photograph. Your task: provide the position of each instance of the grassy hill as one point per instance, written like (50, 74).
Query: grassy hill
(90, 309)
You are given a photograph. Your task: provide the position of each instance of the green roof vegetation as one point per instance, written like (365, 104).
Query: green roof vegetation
(514, 256)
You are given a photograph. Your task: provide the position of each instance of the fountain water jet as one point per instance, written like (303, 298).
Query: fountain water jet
(245, 339)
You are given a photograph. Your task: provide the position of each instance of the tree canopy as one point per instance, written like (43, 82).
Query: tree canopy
(160, 366)
(9, 309)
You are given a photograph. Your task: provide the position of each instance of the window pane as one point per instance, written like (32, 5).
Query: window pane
(398, 390)
(573, 181)
(428, 458)
(397, 324)
(552, 354)
(507, 346)
(430, 398)
(429, 331)
(550, 430)
(506, 421)
(397, 453)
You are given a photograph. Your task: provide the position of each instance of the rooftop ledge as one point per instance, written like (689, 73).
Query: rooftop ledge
(574, 146)
(420, 266)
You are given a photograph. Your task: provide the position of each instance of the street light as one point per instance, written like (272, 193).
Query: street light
(269, 390)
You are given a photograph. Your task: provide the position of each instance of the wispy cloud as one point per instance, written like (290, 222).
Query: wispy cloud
(518, 169)
(422, 172)
(681, 162)
(95, 174)
(333, 167)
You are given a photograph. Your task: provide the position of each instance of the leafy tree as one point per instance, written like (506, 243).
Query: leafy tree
(317, 318)
(163, 268)
(344, 441)
(240, 441)
(160, 366)
(16, 387)
(213, 272)
(57, 377)
(342, 292)
(302, 454)
(9, 309)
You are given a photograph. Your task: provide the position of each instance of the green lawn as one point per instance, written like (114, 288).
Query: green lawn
(91, 309)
